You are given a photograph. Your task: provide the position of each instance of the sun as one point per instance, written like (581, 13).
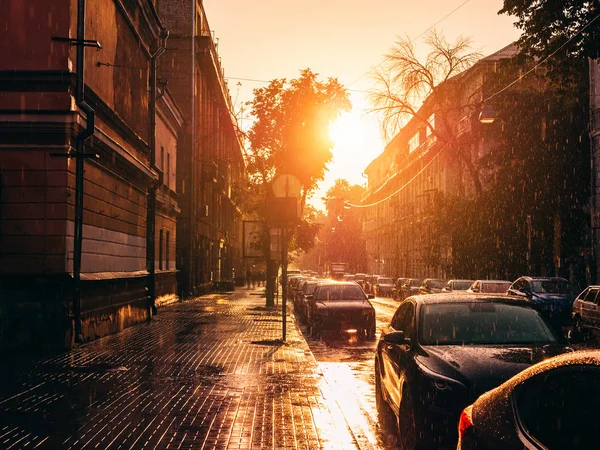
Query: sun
(347, 131)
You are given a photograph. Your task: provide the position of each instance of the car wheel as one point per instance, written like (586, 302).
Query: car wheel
(371, 332)
(407, 429)
(315, 329)
(387, 418)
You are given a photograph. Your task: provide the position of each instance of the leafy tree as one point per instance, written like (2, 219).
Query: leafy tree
(342, 234)
(549, 24)
(290, 135)
(405, 84)
(534, 206)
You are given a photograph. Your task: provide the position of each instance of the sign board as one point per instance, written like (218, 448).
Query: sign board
(276, 238)
(252, 242)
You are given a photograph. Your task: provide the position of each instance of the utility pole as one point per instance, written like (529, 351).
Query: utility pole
(80, 42)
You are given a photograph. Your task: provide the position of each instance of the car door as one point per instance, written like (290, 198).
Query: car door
(395, 358)
(594, 314)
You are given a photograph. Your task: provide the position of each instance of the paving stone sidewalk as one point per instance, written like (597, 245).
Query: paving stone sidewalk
(207, 373)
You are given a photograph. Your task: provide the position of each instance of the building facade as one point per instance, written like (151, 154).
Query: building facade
(78, 139)
(418, 169)
(210, 165)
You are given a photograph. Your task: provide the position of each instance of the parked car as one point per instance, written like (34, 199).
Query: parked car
(431, 286)
(554, 296)
(552, 404)
(302, 297)
(383, 287)
(341, 306)
(586, 313)
(490, 286)
(411, 287)
(397, 289)
(440, 352)
(457, 285)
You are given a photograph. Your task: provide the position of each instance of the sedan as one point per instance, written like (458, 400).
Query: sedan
(490, 286)
(383, 287)
(432, 286)
(440, 352)
(552, 404)
(554, 296)
(341, 306)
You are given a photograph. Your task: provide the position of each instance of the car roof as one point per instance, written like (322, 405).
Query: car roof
(338, 283)
(578, 358)
(542, 278)
(463, 297)
(492, 281)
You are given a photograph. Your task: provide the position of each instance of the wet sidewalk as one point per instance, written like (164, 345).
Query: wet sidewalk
(208, 373)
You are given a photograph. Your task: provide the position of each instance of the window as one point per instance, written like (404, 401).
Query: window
(168, 171)
(413, 143)
(431, 124)
(403, 319)
(162, 158)
(167, 250)
(160, 250)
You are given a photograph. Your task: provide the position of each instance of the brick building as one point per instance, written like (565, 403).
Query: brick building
(416, 169)
(210, 165)
(65, 274)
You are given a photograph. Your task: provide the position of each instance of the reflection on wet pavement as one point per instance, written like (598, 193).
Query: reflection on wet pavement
(207, 373)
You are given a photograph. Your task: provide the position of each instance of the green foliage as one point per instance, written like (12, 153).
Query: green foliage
(291, 130)
(534, 206)
(342, 234)
(548, 24)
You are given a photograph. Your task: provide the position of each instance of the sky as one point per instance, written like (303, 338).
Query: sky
(261, 40)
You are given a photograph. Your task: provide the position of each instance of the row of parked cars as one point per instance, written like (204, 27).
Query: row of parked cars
(471, 369)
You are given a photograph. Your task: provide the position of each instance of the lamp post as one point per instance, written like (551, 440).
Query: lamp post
(284, 214)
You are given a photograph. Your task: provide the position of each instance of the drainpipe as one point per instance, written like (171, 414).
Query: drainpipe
(151, 209)
(79, 169)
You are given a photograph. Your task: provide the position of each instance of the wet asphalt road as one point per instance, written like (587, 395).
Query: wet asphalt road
(347, 365)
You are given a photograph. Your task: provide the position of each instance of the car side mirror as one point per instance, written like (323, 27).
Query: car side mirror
(370, 296)
(396, 337)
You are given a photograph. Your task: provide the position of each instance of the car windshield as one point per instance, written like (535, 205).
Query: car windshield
(552, 286)
(436, 284)
(329, 293)
(385, 281)
(482, 323)
(495, 288)
(416, 282)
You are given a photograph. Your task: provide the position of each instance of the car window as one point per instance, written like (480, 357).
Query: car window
(558, 407)
(461, 285)
(403, 320)
(495, 288)
(552, 286)
(332, 293)
(385, 281)
(482, 323)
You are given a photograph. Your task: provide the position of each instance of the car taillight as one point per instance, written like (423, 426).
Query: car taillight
(465, 423)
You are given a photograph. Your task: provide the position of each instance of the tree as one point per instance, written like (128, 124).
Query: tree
(549, 24)
(405, 83)
(290, 135)
(342, 234)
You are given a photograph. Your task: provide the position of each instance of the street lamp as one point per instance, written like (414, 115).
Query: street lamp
(487, 114)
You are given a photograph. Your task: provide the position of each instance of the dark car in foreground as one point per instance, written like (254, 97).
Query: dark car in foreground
(553, 296)
(342, 307)
(440, 352)
(553, 404)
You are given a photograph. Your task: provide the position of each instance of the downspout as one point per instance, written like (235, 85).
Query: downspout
(151, 209)
(79, 169)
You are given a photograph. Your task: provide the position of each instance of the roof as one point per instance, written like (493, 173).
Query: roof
(463, 297)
